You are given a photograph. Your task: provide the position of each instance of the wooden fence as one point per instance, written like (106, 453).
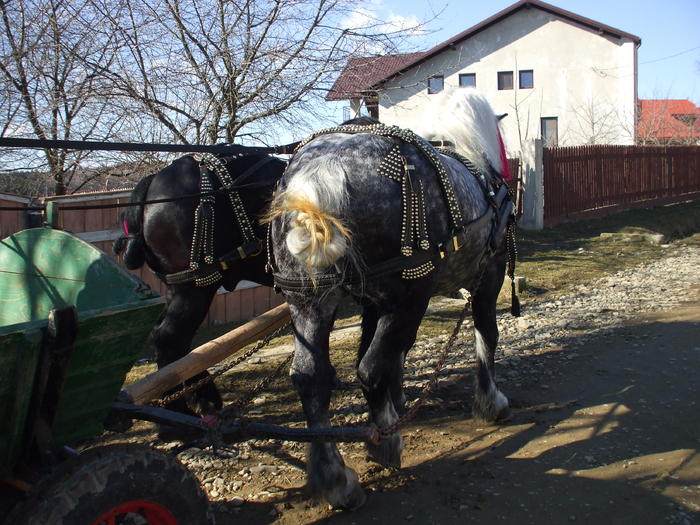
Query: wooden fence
(588, 181)
(12, 221)
(101, 226)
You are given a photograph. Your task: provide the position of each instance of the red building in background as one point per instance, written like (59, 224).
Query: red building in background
(671, 122)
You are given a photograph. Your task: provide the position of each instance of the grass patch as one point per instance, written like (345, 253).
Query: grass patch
(557, 259)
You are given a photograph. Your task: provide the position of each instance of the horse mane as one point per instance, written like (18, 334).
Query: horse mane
(464, 117)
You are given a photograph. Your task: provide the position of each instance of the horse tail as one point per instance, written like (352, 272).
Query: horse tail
(131, 243)
(316, 238)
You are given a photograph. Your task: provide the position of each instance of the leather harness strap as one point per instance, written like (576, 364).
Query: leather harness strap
(204, 269)
(395, 264)
(412, 263)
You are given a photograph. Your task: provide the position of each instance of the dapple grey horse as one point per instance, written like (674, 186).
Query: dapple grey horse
(372, 212)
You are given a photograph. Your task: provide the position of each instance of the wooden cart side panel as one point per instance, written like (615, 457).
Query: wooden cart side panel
(106, 348)
(19, 357)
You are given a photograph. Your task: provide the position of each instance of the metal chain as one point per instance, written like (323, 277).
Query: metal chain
(432, 382)
(238, 360)
(385, 432)
(243, 402)
(236, 408)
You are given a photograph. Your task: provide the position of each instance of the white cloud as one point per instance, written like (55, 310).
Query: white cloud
(381, 20)
(360, 17)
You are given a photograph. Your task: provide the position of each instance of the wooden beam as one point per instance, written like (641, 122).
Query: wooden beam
(205, 356)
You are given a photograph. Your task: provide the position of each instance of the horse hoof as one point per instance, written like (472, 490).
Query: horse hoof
(388, 452)
(206, 400)
(491, 409)
(350, 496)
(504, 415)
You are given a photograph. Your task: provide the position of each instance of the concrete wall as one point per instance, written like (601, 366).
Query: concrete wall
(585, 79)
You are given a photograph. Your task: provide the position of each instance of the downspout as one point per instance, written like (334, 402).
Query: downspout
(636, 93)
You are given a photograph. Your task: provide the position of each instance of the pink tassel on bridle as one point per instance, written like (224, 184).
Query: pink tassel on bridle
(505, 173)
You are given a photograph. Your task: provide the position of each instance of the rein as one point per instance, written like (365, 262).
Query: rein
(86, 145)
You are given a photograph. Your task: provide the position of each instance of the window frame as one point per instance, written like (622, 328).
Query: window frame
(467, 75)
(431, 91)
(498, 81)
(520, 79)
(545, 142)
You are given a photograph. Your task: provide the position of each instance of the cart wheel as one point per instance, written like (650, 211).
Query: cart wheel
(116, 485)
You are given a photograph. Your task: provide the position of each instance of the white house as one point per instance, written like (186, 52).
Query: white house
(559, 76)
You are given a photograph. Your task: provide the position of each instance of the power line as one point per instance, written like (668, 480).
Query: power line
(670, 56)
(650, 61)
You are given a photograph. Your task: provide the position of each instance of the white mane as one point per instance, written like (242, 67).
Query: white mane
(464, 117)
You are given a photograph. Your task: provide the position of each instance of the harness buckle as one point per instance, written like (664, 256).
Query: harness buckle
(455, 243)
(250, 249)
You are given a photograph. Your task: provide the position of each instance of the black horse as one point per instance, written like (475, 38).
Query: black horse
(373, 212)
(203, 234)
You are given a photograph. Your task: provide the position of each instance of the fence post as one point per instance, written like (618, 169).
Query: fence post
(533, 186)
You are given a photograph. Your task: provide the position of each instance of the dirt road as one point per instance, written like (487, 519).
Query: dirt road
(605, 432)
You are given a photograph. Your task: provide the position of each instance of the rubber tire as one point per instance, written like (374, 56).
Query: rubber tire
(86, 487)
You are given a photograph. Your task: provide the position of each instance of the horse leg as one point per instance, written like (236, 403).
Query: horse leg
(489, 403)
(370, 318)
(312, 375)
(186, 308)
(381, 374)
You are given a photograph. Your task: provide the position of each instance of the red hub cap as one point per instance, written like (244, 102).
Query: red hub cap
(154, 513)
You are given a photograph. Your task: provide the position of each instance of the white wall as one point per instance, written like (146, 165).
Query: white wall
(585, 79)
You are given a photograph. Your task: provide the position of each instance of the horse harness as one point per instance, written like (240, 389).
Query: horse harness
(417, 256)
(204, 268)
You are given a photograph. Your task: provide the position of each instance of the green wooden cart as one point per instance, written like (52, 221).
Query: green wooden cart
(72, 324)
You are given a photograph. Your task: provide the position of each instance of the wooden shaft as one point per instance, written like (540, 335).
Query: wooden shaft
(202, 357)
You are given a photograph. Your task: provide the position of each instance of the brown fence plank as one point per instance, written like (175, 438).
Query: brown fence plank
(605, 179)
(247, 303)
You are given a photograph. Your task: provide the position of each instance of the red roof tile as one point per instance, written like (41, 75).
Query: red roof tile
(663, 120)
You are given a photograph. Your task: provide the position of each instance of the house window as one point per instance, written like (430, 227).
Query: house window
(527, 79)
(550, 131)
(505, 80)
(436, 84)
(467, 80)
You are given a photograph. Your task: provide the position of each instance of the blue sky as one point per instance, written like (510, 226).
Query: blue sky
(669, 57)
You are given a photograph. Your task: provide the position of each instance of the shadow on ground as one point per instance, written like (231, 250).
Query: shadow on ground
(606, 432)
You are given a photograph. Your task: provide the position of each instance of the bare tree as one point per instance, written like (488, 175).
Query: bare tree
(47, 92)
(217, 70)
(596, 122)
(188, 71)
